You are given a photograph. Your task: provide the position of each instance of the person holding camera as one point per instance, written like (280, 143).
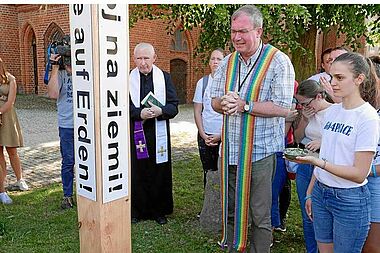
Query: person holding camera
(10, 133)
(60, 88)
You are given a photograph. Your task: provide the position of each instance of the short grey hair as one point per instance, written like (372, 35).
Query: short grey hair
(144, 45)
(252, 12)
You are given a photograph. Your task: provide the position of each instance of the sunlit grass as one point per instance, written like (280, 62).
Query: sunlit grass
(35, 223)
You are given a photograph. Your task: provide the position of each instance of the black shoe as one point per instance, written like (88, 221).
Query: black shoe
(135, 220)
(280, 228)
(162, 220)
(67, 203)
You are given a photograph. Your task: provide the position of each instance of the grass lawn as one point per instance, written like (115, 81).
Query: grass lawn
(35, 223)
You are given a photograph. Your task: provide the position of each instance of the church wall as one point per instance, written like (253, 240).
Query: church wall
(38, 17)
(19, 22)
(9, 39)
(155, 32)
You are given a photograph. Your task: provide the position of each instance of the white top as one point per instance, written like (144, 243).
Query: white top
(316, 77)
(212, 121)
(313, 129)
(345, 132)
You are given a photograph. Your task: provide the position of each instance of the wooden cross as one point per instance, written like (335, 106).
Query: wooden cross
(140, 146)
(161, 151)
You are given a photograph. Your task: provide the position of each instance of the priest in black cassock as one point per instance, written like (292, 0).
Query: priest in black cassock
(151, 170)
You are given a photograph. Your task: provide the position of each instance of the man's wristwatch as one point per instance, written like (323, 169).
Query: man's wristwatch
(246, 107)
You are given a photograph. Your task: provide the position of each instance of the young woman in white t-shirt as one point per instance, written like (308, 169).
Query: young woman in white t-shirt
(338, 198)
(312, 97)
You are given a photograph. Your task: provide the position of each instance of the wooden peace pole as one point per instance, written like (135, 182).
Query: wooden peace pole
(100, 63)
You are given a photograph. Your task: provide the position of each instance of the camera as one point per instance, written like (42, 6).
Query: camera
(62, 48)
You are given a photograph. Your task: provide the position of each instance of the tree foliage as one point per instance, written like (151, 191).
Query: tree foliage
(290, 27)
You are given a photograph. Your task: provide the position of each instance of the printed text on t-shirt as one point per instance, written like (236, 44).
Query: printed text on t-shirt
(338, 128)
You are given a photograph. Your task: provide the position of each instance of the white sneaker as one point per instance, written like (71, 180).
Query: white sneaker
(21, 184)
(5, 199)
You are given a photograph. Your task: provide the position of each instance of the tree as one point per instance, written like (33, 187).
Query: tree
(291, 27)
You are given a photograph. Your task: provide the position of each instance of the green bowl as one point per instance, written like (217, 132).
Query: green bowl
(292, 153)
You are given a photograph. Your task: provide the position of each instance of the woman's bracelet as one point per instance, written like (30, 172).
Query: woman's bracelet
(324, 163)
(307, 197)
(374, 173)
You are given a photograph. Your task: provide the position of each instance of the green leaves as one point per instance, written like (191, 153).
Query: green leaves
(283, 23)
(289, 27)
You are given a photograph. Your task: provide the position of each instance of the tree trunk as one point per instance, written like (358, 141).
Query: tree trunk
(304, 63)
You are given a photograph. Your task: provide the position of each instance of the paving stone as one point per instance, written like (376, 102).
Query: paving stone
(41, 159)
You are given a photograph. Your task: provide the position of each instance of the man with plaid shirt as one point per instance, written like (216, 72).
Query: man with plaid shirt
(273, 104)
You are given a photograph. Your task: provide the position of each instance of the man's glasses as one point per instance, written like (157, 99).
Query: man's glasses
(242, 31)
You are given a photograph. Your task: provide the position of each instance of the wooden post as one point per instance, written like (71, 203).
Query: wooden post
(100, 63)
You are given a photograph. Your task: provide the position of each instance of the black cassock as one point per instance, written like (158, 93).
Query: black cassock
(152, 195)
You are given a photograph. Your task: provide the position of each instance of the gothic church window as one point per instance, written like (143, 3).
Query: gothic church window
(53, 33)
(179, 42)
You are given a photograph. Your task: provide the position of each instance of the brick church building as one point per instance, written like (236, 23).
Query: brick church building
(27, 30)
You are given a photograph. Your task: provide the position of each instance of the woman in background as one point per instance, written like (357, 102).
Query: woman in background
(10, 132)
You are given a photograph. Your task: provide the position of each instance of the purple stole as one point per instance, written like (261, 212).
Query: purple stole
(140, 142)
(161, 129)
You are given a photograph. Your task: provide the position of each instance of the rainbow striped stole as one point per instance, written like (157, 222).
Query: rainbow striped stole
(247, 133)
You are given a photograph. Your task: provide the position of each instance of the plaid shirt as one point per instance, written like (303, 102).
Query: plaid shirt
(278, 86)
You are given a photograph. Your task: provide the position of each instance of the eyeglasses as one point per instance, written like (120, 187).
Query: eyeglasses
(306, 104)
(242, 31)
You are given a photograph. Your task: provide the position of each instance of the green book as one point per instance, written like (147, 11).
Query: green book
(152, 98)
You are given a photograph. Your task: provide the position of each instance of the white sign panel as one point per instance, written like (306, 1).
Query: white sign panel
(113, 99)
(83, 98)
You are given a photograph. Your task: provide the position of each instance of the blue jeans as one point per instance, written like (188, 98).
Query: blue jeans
(304, 174)
(66, 139)
(341, 216)
(278, 183)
